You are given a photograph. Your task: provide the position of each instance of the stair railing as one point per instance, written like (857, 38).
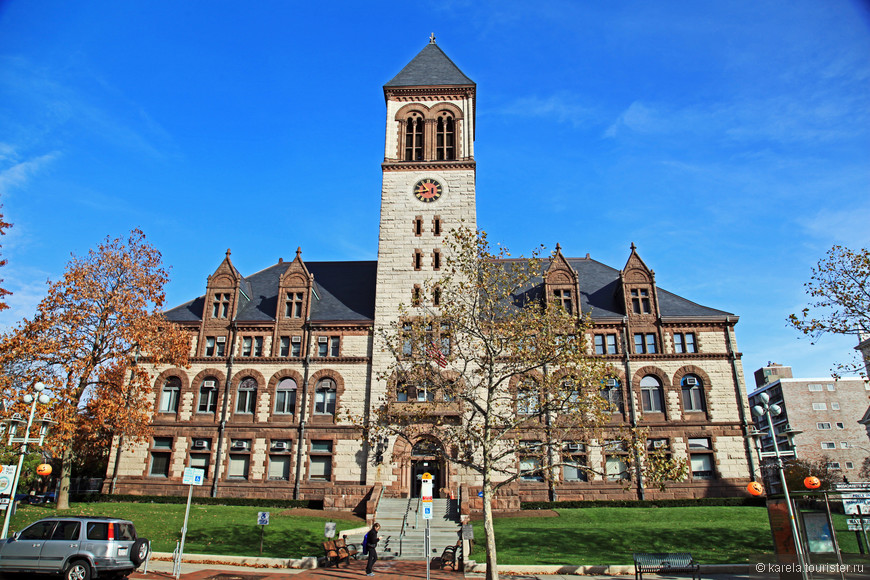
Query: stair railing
(404, 524)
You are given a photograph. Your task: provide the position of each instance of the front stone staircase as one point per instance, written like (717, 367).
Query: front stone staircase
(403, 528)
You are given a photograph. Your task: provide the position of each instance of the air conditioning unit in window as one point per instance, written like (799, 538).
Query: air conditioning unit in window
(200, 444)
(322, 339)
(296, 339)
(221, 339)
(279, 446)
(574, 447)
(209, 384)
(240, 445)
(660, 444)
(692, 381)
(610, 382)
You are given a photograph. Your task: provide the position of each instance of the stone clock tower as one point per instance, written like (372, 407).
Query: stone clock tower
(428, 187)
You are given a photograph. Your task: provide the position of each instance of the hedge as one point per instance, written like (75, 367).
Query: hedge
(704, 501)
(237, 501)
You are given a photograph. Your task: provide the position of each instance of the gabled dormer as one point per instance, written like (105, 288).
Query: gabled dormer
(222, 292)
(561, 283)
(294, 288)
(638, 287)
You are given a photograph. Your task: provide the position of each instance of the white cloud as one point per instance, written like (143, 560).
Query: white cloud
(18, 173)
(563, 107)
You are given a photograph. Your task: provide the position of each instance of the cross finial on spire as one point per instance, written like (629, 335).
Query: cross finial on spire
(228, 253)
(633, 247)
(432, 38)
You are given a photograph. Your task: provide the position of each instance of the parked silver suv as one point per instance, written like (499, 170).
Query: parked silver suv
(78, 546)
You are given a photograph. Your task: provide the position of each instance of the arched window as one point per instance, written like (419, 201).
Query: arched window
(445, 137)
(207, 395)
(247, 396)
(324, 397)
(693, 393)
(426, 448)
(285, 397)
(611, 391)
(528, 398)
(651, 394)
(414, 138)
(169, 395)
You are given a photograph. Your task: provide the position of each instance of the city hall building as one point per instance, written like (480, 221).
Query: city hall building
(280, 356)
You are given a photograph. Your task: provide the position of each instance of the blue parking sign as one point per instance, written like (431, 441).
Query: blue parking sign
(262, 518)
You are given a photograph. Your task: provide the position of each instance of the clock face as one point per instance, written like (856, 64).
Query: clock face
(427, 190)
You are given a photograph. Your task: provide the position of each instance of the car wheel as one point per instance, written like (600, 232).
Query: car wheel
(77, 570)
(139, 551)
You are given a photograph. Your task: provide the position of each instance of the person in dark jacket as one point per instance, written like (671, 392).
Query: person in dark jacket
(371, 543)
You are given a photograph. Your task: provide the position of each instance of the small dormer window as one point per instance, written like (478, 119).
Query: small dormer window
(293, 305)
(563, 299)
(640, 303)
(221, 305)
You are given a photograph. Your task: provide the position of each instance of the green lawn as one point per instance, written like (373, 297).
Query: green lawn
(713, 535)
(212, 529)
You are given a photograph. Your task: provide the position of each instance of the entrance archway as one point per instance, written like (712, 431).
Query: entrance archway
(427, 457)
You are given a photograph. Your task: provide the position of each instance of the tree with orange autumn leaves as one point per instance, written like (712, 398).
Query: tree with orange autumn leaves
(3, 292)
(93, 341)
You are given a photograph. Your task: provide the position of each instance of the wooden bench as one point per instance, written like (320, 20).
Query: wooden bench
(335, 554)
(665, 563)
(352, 549)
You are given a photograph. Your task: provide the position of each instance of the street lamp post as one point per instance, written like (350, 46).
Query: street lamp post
(14, 422)
(765, 409)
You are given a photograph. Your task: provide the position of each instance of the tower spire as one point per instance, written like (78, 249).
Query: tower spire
(432, 38)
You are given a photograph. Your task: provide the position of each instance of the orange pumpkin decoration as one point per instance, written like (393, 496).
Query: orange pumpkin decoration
(755, 488)
(43, 469)
(812, 482)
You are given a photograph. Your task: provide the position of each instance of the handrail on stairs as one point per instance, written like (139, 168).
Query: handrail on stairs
(404, 523)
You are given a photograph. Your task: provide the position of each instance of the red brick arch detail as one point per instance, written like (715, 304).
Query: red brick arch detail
(161, 379)
(217, 374)
(245, 373)
(517, 379)
(402, 113)
(312, 388)
(449, 107)
(707, 385)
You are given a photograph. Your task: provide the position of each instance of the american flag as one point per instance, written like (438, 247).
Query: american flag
(435, 354)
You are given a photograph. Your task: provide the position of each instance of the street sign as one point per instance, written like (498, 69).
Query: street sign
(7, 476)
(855, 524)
(426, 495)
(193, 476)
(262, 518)
(852, 501)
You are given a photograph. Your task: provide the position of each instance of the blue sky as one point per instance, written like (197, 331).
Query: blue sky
(730, 141)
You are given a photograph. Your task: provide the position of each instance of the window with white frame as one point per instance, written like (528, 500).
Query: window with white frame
(823, 426)
(279, 467)
(284, 347)
(320, 461)
(220, 305)
(239, 465)
(161, 453)
(296, 346)
(840, 425)
(835, 406)
(829, 445)
(574, 456)
(815, 387)
(200, 461)
(844, 444)
(530, 461)
(820, 407)
(247, 345)
(615, 461)
(850, 465)
(701, 458)
(169, 395)
(324, 397)
(684, 342)
(247, 396)
(833, 465)
(652, 398)
(285, 397)
(528, 398)
(693, 393)
(645, 343)
(207, 396)
(830, 387)
(611, 391)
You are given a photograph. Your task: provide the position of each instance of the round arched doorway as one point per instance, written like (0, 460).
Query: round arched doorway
(427, 457)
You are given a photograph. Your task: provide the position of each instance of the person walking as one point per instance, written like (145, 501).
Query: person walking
(371, 543)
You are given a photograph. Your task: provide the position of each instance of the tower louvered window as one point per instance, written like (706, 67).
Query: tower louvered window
(445, 148)
(414, 139)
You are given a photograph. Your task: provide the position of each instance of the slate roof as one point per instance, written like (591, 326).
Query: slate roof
(345, 291)
(431, 67)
